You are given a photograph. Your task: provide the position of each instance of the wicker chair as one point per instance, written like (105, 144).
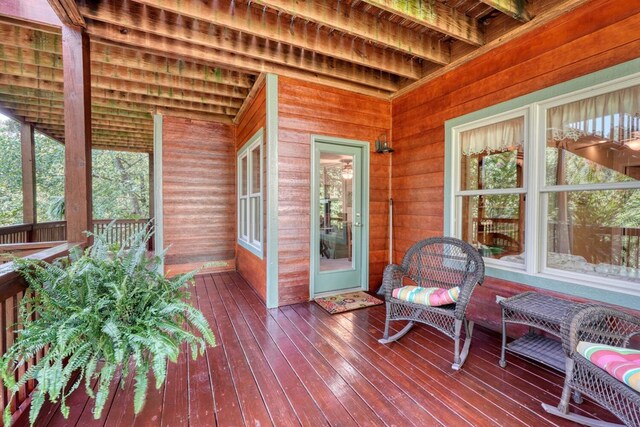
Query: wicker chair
(440, 262)
(602, 325)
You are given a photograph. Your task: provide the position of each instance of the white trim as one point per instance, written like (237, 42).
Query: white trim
(245, 217)
(272, 191)
(157, 185)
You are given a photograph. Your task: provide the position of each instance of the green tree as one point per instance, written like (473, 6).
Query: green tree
(10, 173)
(120, 180)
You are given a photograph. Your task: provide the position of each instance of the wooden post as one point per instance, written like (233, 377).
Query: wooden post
(29, 213)
(77, 132)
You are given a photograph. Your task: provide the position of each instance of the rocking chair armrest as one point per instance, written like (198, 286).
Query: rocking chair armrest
(391, 279)
(597, 324)
(466, 289)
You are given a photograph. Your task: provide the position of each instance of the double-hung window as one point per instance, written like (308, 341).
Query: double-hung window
(553, 188)
(250, 175)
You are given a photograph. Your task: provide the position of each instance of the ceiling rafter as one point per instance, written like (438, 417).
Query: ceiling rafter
(345, 77)
(256, 58)
(134, 91)
(104, 76)
(436, 16)
(350, 20)
(517, 9)
(263, 40)
(67, 11)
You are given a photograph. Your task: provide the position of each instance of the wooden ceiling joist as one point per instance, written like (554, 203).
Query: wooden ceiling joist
(517, 9)
(124, 102)
(349, 20)
(263, 40)
(68, 12)
(107, 76)
(150, 95)
(321, 68)
(47, 76)
(436, 16)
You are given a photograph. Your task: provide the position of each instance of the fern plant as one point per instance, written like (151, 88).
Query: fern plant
(97, 311)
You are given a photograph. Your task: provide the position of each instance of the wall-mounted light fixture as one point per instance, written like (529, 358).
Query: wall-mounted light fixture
(382, 145)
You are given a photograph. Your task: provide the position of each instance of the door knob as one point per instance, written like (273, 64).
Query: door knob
(357, 224)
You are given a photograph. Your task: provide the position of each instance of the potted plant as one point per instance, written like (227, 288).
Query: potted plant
(103, 308)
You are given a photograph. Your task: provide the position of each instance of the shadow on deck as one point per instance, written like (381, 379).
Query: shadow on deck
(297, 365)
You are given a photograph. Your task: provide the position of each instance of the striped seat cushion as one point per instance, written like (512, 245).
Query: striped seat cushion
(427, 296)
(622, 363)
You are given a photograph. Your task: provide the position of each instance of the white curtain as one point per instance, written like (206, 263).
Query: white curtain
(612, 116)
(495, 137)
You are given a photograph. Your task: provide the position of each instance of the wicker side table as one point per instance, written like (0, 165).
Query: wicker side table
(539, 312)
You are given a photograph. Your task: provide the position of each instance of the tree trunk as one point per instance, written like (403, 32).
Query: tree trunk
(126, 181)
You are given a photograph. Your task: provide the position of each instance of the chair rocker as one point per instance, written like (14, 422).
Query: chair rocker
(590, 326)
(444, 263)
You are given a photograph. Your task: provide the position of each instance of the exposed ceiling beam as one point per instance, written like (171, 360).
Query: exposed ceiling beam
(346, 78)
(18, 45)
(68, 12)
(516, 9)
(351, 21)
(240, 35)
(300, 66)
(125, 91)
(436, 16)
(106, 76)
(12, 116)
(132, 65)
(112, 98)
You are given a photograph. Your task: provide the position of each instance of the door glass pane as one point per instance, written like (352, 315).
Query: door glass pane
(594, 140)
(336, 216)
(595, 233)
(492, 156)
(495, 225)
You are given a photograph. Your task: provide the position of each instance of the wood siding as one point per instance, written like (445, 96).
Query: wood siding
(590, 38)
(199, 193)
(305, 109)
(251, 267)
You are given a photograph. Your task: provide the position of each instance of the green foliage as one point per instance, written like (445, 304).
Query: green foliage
(120, 184)
(120, 180)
(10, 174)
(49, 177)
(102, 308)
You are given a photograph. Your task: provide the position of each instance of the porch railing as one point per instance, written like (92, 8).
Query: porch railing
(57, 231)
(12, 290)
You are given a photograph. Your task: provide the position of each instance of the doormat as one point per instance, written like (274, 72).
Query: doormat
(347, 302)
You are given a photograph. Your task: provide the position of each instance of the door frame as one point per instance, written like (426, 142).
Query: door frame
(315, 205)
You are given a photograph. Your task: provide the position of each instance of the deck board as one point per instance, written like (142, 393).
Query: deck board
(298, 365)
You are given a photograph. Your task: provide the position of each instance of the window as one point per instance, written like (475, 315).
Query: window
(553, 188)
(250, 173)
(491, 184)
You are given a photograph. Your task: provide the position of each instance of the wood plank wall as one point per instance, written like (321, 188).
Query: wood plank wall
(252, 268)
(305, 109)
(199, 193)
(600, 34)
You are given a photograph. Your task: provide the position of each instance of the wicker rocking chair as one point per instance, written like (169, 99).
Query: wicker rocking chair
(599, 325)
(440, 262)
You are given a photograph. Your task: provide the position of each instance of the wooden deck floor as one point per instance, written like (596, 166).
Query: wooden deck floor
(297, 365)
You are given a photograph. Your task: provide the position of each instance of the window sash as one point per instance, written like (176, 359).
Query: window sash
(536, 189)
(250, 205)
